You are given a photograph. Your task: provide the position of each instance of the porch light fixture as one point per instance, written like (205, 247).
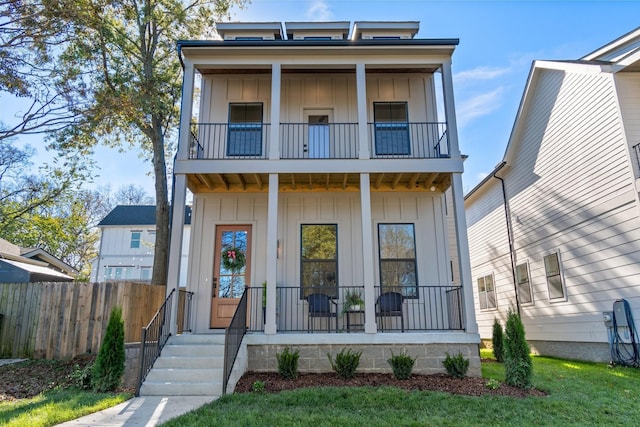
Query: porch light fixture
(433, 188)
(278, 249)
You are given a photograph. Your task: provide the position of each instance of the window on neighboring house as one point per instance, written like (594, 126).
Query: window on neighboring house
(397, 247)
(487, 292)
(245, 129)
(319, 259)
(118, 272)
(145, 273)
(525, 295)
(391, 128)
(135, 239)
(554, 276)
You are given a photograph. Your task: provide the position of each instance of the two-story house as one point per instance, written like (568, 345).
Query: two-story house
(127, 244)
(554, 229)
(318, 165)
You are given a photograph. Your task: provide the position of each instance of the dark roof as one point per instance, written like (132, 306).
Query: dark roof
(137, 215)
(333, 43)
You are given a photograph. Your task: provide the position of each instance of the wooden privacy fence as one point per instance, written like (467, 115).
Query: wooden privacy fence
(62, 320)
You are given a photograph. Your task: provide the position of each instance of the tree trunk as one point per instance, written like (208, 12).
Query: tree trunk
(161, 255)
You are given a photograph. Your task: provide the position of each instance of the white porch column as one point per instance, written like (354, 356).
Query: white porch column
(179, 194)
(367, 255)
(274, 133)
(462, 243)
(361, 92)
(450, 110)
(271, 256)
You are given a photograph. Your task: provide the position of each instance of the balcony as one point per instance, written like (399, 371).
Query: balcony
(395, 140)
(420, 309)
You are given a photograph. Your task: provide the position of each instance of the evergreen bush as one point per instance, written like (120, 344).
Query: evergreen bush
(456, 366)
(518, 367)
(401, 365)
(288, 363)
(346, 363)
(498, 341)
(110, 364)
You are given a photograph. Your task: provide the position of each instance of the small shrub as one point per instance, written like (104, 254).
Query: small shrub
(288, 363)
(81, 377)
(492, 384)
(109, 366)
(498, 341)
(346, 363)
(401, 365)
(456, 366)
(257, 386)
(518, 367)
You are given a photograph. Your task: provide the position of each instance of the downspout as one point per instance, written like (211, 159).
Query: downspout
(507, 216)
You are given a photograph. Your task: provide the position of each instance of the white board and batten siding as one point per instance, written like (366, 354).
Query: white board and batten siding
(570, 190)
(303, 92)
(425, 210)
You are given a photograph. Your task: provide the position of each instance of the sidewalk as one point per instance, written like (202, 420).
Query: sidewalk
(145, 411)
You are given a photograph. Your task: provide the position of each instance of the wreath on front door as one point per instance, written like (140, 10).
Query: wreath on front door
(233, 259)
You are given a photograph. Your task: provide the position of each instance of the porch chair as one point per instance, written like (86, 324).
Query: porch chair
(321, 305)
(389, 304)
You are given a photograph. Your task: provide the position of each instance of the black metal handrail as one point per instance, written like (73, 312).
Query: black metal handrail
(154, 337)
(410, 140)
(233, 339)
(319, 141)
(237, 141)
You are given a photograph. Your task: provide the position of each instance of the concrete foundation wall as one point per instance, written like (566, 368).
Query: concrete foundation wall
(132, 364)
(313, 357)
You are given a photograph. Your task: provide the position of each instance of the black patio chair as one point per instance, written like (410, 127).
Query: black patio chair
(321, 305)
(389, 304)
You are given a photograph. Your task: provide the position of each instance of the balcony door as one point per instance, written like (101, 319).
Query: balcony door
(317, 137)
(231, 271)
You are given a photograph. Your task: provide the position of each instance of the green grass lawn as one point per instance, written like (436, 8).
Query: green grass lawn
(56, 406)
(580, 394)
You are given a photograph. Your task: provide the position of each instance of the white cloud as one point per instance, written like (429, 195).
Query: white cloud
(479, 73)
(479, 105)
(319, 11)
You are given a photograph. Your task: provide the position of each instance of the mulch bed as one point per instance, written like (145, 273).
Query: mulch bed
(470, 386)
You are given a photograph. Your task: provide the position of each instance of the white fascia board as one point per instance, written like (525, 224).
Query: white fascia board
(614, 45)
(319, 166)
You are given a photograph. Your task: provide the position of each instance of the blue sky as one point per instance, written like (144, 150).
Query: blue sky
(498, 42)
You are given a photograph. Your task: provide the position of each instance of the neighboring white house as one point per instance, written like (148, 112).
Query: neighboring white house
(320, 163)
(127, 242)
(558, 219)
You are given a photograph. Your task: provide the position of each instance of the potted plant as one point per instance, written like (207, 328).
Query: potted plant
(352, 301)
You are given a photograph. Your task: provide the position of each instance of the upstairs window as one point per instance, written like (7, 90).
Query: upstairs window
(487, 292)
(391, 128)
(554, 276)
(245, 129)
(135, 239)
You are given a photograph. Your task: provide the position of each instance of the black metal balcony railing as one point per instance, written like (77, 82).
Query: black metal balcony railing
(319, 141)
(229, 141)
(422, 308)
(398, 140)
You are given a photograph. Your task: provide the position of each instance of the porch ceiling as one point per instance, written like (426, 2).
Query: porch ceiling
(299, 182)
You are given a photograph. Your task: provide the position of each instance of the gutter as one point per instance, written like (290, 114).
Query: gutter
(512, 252)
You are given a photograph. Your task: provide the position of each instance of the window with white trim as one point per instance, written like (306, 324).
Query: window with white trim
(135, 239)
(554, 276)
(487, 292)
(245, 129)
(391, 128)
(525, 296)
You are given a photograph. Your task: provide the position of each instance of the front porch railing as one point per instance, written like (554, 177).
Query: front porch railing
(423, 308)
(247, 141)
(319, 141)
(408, 140)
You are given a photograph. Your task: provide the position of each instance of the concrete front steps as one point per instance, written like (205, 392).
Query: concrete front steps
(189, 365)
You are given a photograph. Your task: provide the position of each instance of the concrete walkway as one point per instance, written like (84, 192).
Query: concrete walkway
(145, 411)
